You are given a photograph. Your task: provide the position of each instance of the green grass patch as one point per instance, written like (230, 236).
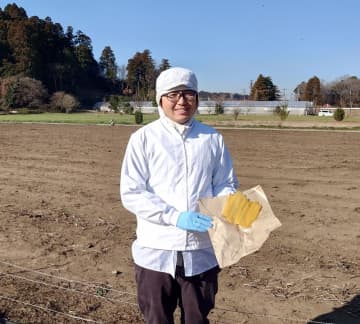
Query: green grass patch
(107, 118)
(75, 118)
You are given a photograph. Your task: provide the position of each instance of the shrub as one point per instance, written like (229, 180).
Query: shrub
(282, 111)
(63, 102)
(154, 103)
(219, 109)
(139, 117)
(26, 111)
(127, 108)
(236, 113)
(23, 111)
(10, 97)
(124, 106)
(114, 102)
(22, 92)
(339, 114)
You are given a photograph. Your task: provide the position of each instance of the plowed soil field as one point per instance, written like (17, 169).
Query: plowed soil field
(65, 238)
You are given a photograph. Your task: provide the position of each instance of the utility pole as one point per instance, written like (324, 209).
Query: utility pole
(244, 94)
(350, 100)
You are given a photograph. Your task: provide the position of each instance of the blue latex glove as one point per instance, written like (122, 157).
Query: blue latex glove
(192, 221)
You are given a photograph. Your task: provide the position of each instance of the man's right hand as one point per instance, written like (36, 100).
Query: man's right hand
(192, 221)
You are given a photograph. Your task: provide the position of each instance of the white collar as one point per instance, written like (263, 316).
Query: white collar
(180, 128)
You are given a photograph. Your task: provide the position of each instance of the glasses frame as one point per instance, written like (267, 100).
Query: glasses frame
(174, 96)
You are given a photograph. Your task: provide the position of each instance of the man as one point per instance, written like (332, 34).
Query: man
(168, 165)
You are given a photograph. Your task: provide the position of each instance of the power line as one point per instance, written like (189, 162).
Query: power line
(68, 289)
(117, 300)
(65, 279)
(48, 309)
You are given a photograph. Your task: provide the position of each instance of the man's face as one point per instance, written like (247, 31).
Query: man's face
(179, 106)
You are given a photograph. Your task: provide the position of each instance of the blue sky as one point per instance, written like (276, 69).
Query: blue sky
(226, 43)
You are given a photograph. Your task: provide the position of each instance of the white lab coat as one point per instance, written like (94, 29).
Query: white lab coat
(164, 174)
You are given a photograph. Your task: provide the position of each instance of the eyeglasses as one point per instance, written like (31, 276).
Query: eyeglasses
(174, 96)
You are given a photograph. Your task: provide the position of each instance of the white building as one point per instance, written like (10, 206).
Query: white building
(255, 107)
(242, 107)
(103, 106)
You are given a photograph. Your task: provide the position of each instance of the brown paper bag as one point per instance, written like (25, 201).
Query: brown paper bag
(231, 242)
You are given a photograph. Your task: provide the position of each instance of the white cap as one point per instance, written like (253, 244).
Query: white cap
(176, 78)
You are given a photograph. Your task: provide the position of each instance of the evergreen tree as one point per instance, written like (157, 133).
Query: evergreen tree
(18, 42)
(264, 90)
(88, 71)
(83, 51)
(313, 91)
(141, 75)
(300, 91)
(13, 12)
(164, 65)
(108, 65)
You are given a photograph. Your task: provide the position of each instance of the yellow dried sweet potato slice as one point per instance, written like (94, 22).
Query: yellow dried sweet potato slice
(239, 210)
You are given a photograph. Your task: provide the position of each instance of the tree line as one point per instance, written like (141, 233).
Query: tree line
(38, 60)
(343, 92)
(43, 66)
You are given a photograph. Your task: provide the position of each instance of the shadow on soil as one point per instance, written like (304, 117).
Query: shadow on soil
(347, 314)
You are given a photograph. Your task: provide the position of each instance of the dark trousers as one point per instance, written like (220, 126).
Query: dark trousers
(159, 294)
